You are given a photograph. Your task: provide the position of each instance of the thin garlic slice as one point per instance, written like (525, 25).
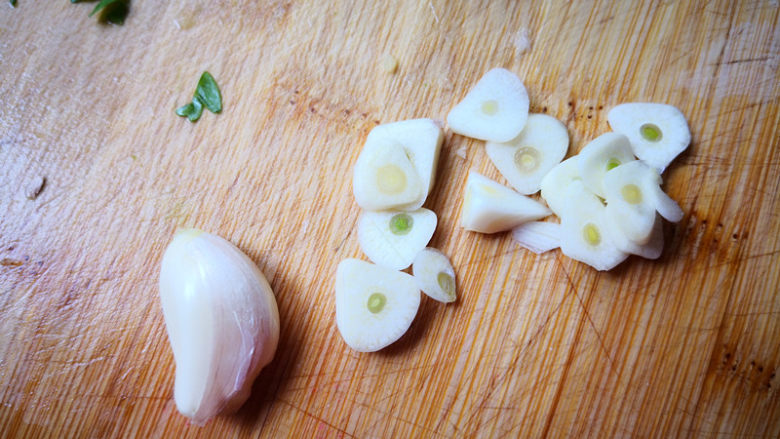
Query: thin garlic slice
(538, 236)
(601, 155)
(496, 108)
(489, 207)
(434, 275)
(393, 238)
(222, 322)
(649, 250)
(666, 206)
(629, 192)
(657, 132)
(527, 158)
(584, 234)
(384, 177)
(375, 305)
(421, 140)
(555, 182)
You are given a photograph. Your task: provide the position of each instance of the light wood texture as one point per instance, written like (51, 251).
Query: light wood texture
(536, 346)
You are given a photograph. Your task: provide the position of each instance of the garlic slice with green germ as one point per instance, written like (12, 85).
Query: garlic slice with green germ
(375, 305)
(393, 238)
(601, 155)
(496, 108)
(222, 322)
(538, 236)
(628, 191)
(584, 234)
(555, 182)
(421, 140)
(434, 275)
(489, 207)
(657, 132)
(525, 160)
(384, 178)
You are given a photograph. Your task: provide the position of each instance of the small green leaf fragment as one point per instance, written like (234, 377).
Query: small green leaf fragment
(12, 2)
(208, 93)
(113, 11)
(191, 111)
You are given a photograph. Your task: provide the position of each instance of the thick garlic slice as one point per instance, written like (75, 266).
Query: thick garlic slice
(584, 234)
(649, 250)
(384, 177)
(527, 158)
(375, 305)
(496, 108)
(222, 322)
(629, 191)
(489, 207)
(658, 132)
(393, 238)
(421, 140)
(601, 155)
(538, 236)
(434, 275)
(556, 181)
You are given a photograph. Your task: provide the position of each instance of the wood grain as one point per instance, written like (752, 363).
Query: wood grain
(536, 346)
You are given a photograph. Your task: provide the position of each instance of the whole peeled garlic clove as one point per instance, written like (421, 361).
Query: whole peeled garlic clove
(222, 322)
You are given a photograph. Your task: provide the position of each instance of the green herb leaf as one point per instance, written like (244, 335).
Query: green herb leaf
(208, 93)
(112, 11)
(191, 111)
(12, 2)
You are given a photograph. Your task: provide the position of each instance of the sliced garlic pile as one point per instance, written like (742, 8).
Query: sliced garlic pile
(608, 202)
(395, 172)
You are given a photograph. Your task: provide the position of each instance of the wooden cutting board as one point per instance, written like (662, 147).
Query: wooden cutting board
(536, 346)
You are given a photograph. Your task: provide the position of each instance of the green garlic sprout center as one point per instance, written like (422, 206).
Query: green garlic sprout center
(489, 107)
(401, 224)
(446, 283)
(527, 159)
(390, 179)
(650, 132)
(591, 234)
(631, 194)
(612, 163)
(376, 302)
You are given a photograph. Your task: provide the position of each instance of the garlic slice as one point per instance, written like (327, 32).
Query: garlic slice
(555, 182)
(538, 236)
(601, 155)
(384, 177)
(393, 238)
(434, 275)
(657, 132)
(421, 140)
(628, 190)
(525, 160)
(489, 207)
(649, 250)
(584, 230)
(222, 322)
(496, 108)
(375, 305)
